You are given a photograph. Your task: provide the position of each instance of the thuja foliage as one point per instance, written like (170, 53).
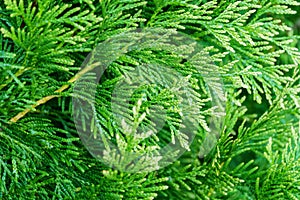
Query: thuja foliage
(254, 47)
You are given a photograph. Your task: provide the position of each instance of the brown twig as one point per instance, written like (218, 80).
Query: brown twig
(47, 98)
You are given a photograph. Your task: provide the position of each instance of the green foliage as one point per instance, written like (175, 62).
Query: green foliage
(254, 46)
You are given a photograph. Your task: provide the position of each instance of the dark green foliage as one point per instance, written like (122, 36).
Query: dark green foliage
(255, 49)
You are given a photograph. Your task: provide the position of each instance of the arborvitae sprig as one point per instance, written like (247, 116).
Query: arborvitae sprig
(251, 45)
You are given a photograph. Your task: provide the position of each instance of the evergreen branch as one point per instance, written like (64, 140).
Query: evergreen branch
(61, 89)
(250, 43)
(18, 73)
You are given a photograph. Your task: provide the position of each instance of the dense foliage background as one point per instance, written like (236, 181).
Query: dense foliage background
(255, 46)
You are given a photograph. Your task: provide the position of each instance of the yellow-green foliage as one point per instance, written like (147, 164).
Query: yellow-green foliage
(254, 46)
